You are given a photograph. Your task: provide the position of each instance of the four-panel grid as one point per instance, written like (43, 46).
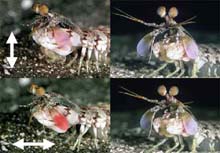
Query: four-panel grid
(101, 76)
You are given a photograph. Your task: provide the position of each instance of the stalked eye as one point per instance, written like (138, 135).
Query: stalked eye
(33, 88)
(40, 91)
(162, 90)
(36, 90)
(143, 46)
(173, 12)
(41, 9)
(35, 8)
(174, 91)
(161, 11)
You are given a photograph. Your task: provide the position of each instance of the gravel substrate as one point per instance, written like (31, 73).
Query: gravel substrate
(30, 64)
(136, 140)
(131, 66)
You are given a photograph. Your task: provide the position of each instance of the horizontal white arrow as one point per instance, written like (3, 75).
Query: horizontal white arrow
(45, 144)
(11, 40)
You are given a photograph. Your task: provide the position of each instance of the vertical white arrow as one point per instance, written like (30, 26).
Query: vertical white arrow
(11, 40)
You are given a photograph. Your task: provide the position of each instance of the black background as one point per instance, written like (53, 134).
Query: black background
(204, 93)
(207, 12)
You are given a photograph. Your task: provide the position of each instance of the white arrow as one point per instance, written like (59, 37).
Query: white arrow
(45, 144)
(11, 40)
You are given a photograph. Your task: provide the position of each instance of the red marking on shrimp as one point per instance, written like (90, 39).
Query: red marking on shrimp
(61, 121)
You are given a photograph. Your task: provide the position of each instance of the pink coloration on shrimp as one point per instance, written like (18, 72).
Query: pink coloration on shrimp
(190, 126)
(62, 38)
(191, 48)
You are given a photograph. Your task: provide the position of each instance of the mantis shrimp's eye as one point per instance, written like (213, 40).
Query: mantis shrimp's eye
(36, 90)
(174, 91)
(35, 8)
(41, 9)
(173, 12)
(162, 90)
(33, 88)
(161, 11)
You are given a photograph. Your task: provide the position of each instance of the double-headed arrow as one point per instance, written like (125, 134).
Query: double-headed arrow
(45, 144)
(11, 40)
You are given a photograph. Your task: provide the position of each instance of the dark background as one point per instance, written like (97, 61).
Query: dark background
(202, 92)
(126, 111)
(207, 12)
(15, 92)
